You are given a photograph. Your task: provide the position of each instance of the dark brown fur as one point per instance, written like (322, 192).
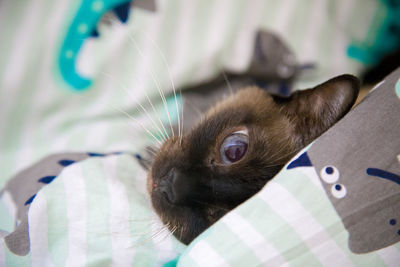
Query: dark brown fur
(189, 184)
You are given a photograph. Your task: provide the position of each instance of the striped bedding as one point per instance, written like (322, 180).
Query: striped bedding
(97, 212)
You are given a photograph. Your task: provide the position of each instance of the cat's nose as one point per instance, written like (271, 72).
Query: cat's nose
(175, 187)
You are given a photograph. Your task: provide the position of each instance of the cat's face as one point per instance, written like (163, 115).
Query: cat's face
(236, 149)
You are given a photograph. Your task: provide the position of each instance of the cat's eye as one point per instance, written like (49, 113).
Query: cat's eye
(234, 147)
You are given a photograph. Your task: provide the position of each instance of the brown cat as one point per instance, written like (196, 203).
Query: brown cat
(241, 144)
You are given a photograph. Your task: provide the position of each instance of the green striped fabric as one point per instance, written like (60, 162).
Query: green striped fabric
(291, 221)
(39, 115)
(97, 212)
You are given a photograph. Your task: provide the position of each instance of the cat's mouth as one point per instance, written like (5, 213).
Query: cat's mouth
(185, 219)
(184, 222)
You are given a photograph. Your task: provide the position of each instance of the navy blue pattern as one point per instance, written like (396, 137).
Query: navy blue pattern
(93, 154)
(122, 11)
(66, 162)
(393, 222)
(46, 179)
(95, 33)
(29, 201)
(302, 161)
(329, 170)
(384, 174)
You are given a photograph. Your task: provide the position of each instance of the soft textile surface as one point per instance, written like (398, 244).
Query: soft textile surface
(309, 215)
(38, 118)
(324, 208)
(97, 211)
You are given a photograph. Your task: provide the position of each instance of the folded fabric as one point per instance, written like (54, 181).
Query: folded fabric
(337, 203)
(95, 212)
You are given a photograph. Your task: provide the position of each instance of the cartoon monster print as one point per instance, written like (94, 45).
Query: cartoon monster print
(21, 190)
(84, 25)
(368, 204)
(357, 163)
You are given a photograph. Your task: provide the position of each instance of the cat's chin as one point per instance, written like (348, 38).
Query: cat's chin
(184, 222)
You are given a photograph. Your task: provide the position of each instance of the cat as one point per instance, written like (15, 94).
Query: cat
(241, 143)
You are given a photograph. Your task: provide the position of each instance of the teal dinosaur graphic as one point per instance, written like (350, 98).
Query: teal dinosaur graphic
(383, 36)
(83, 26)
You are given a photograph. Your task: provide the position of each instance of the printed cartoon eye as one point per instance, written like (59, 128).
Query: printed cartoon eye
(330, 174)
(338, 190)
(234, 147)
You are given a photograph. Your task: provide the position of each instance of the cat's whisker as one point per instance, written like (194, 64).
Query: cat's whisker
(182, 119)
(182, 229)
(156, 233)
(171, 231)
(272, 165)
(130, 117)
(156, 83)
(137, 121)
(123, 87)
(227, 81)
(150, 151)
(153, 150)
(170, 78)
(195, 108)
(281, 156)
(174, 228)
(159, 118)
(162, 95)
(114, 21)
(161, 231)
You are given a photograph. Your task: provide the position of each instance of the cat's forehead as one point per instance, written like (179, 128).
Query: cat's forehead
(252, 97)
(247, 107)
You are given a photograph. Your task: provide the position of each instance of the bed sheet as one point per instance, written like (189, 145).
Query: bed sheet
(187, 42)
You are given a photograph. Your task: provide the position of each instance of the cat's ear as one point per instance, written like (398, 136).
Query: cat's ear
(315, 110)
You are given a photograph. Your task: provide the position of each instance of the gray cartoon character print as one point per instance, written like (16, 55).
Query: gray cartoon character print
(357, 163)
(20, 191)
